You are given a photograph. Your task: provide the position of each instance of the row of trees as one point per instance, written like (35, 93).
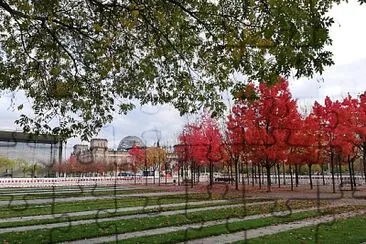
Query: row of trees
(9, 166)
(266, 131)
(138, 159)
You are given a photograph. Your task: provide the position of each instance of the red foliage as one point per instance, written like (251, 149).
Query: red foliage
(139, 156)
(201, 142)
(264, 124)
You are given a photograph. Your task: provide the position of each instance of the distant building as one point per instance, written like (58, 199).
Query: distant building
(43, 149)
(98, 151)
(25, 149)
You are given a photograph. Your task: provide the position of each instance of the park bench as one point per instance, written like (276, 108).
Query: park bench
(224, 179)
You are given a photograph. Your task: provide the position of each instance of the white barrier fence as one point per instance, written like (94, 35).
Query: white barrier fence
(304, 179)
(77, 181)
(110, 181)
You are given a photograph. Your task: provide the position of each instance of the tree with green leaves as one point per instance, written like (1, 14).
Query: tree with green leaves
(28, 168)
(6, 163)
(81, 61)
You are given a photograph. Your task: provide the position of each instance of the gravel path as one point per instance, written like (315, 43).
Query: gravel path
(75, 199)
(188, 226)
(135, 216)
(273, 229)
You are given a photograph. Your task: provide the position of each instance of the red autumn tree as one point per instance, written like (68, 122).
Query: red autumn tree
(329, 119)
(266, 121)
(201, 144)
(138, 158)
(235, 143)
(305, 144)
(361, 128)
(347, 135)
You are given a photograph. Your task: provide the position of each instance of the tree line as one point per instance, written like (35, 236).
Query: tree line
(265, 132)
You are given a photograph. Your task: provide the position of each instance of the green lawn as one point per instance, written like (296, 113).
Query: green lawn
(351, 230)
(30, 195)
(103, 214)
(67, 207)
(124, 226)
(181, 236)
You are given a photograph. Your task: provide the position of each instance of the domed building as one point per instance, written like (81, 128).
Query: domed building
(129, 142)
(97, 151)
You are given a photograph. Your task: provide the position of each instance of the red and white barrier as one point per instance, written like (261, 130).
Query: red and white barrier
(74, 181)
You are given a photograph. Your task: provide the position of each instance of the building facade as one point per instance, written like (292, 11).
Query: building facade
(98, 151)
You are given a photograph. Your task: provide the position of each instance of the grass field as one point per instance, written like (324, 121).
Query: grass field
(141, 215)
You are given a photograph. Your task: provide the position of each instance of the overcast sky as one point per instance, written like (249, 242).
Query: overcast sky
(164, 123)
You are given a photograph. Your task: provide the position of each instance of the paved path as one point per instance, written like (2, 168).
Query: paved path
(76, 199)
(185, 227)
(135, 216)
(273, 229)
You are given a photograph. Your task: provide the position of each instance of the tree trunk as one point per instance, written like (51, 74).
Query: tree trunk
(247, 166)
(278, 175)
(350, 172)
(192, 173)
(353, 173)
(255, 174)
(146, 176)
(211, 174)
(322, 168)
(332, 169)
(340, 169)
(236, 175)
(179, 174)
(291, 178)
(259, 177)
(275, 174)
(268, 169)
(297, 175)
(284, 174)
(310, 179)
(184, 172)
(166, 175)
(199, 174)
(154, 176)
(159, 172)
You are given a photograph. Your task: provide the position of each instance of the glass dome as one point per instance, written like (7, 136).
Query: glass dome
(128, 142)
